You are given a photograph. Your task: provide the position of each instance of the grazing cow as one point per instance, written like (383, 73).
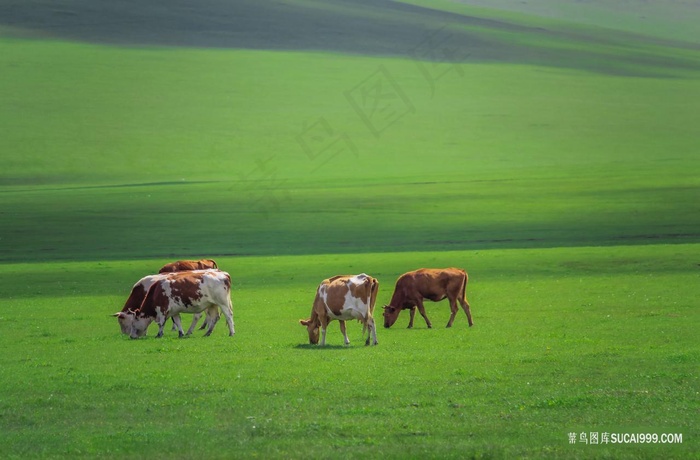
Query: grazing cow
(138, 293)
(183, 265)
(184, 292)
(343, 298)
(432, 284)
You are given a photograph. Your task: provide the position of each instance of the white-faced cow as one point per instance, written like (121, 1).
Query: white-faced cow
(135, 299)
(184, 292)
(432, 284)
(343, 297)
(183, 265)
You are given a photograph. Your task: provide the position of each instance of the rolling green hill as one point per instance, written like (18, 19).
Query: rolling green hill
(291, 152)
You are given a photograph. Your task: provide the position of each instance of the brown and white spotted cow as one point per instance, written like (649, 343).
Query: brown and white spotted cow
(182, 265)
(135, 299)
(184, 292)
(343, 297)
(432, 284)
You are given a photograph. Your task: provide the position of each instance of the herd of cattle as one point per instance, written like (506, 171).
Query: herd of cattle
(198, 286)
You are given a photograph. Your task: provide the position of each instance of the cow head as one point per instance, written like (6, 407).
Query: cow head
(313, 327)
(139, 323)
(391, 314)
(124, 321)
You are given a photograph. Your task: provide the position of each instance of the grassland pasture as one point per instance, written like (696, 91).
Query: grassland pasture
(548, 148)
(565, 340)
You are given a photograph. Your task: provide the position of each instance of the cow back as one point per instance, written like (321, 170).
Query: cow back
(186, 265)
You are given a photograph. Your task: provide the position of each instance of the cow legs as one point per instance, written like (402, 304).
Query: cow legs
(212, 318)
(324, 325)
(421, 309)
(195, 320)
(413, 315)
(227, 310)
(467, 310)
(178, 324)
(453, 311)
(372, 332)
(344, 331)
(161, 325)
(207, 320)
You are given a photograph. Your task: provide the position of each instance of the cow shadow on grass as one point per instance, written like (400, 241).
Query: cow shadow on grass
(308, 346)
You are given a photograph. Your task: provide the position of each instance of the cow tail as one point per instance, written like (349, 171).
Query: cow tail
(373, 289)
(373, 295)
(463, 291)
(368, 316)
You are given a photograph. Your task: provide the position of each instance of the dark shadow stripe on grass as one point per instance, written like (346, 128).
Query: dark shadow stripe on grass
(113, 186)
(360, 27)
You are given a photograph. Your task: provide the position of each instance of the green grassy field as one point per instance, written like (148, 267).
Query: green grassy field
(555, 160)
(565, 341)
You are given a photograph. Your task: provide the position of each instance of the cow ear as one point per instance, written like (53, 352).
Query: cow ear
(116, 315)
(304, 322)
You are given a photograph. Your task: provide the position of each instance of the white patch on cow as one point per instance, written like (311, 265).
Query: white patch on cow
(353, 307)
(323, 293)
(358, 280)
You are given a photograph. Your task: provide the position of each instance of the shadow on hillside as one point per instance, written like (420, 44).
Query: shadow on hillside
(364, 27)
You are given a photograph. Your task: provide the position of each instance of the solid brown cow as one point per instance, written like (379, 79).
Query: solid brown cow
(343, 297)
(183, 265)
(432, 284)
